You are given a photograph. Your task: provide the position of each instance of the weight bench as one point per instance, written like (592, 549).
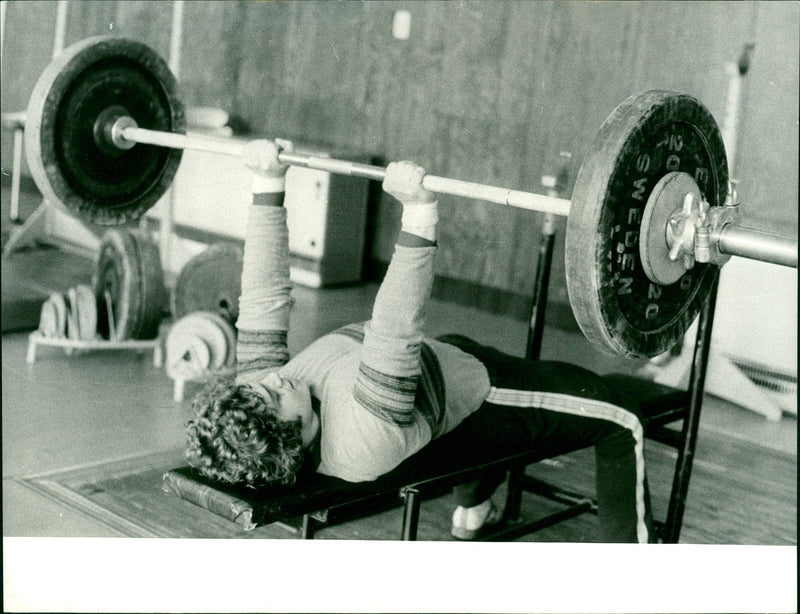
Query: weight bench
(454, 459)
(318, 500)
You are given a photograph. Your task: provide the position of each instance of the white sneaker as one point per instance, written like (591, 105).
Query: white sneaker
(469, 522)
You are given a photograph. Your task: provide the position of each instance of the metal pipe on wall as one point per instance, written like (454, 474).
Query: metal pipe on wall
(168, 214)
(61, 27)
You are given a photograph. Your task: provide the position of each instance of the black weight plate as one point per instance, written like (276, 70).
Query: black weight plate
(617, 306)
(128, 269)
(115, 269)
(73, 168)
(211, 281)
(151, 287)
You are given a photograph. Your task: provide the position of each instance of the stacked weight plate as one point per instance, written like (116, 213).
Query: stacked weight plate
(72, 315)
(128, 285)
(82, 318)
(211, 281)
(199, 343)
(205, 305)
(53, 318)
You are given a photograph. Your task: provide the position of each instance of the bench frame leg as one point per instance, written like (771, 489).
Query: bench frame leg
(410, 512)
(513, 510)
(307, 527)
(691, 423)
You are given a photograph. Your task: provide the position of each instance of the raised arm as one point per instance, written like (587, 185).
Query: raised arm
(265, 303)
(390, 365)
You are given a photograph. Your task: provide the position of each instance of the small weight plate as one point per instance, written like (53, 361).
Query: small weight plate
(188, 356)
(213, 336)
(617, 306)
(114, 272)
(197, 325)
(73, 328)
(70, 161)
(230, 335)
(129, 269)
(48, 319)
(84, 307)
(151, 287)
(666, 198)
(53, 318)
(211, 281)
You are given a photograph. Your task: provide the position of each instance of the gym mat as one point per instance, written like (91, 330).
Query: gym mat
(126, 496)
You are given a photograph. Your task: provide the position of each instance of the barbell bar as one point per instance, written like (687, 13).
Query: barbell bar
(650, 221)
(125, 131)
(733, 240)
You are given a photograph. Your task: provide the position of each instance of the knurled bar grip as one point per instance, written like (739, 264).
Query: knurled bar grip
(440, 185)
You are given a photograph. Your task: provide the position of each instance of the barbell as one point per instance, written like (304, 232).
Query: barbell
(650, 221)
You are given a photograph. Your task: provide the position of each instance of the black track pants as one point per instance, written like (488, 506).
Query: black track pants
(559, 408)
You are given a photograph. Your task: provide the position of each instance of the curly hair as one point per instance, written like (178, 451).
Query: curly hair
(235, 437)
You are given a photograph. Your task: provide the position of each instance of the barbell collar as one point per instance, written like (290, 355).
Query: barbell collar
(123, 132)
(758, 245)
(116, 134)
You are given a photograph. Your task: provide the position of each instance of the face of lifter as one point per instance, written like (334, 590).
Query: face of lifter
(292, 399)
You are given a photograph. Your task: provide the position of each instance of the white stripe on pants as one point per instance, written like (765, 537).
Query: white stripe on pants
(588, 408)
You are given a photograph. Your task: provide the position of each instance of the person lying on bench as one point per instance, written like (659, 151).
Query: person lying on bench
(361, 399)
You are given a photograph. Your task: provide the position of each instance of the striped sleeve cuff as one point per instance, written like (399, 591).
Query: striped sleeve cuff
(258, 350)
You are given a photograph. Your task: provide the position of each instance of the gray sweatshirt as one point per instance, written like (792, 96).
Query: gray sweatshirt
(384, 389)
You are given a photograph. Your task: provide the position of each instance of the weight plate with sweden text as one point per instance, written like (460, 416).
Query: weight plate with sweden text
(128, 270)
(210, 281)
(67, 140)
(618, 307)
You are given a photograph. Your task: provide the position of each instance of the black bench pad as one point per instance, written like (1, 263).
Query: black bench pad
(448, 461)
